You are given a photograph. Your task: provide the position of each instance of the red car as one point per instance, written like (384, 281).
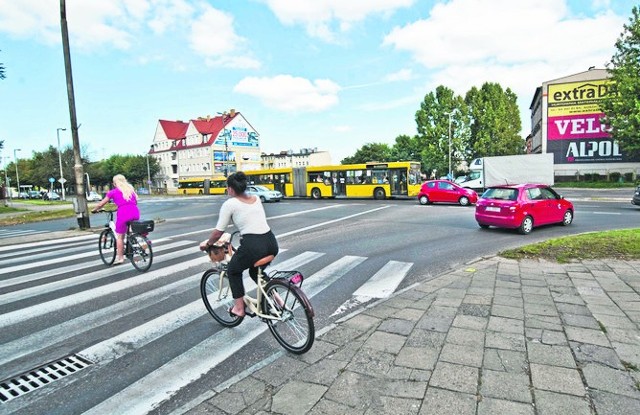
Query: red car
(522, 207)
(447, 192)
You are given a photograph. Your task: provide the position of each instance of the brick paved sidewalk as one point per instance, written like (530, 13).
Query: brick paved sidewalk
(500, 336)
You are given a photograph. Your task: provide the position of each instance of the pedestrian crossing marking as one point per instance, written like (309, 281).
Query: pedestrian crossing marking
(68, 256)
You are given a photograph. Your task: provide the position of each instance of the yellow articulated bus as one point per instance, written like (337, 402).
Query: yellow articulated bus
(365, 180)
(274, 179)
(202, 186)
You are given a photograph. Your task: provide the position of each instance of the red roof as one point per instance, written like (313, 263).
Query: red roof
(174, 130)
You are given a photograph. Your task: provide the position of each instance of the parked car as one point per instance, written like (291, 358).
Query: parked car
(51, 196)
(444, 191)
(34, 194)
(23, 195)
(93, 197)
(522, 207)
(265, 194)
(636, 197)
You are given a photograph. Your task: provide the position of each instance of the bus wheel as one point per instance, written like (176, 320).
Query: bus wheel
(199, 192)
(379, 193)
(184, 192)
(315, 193)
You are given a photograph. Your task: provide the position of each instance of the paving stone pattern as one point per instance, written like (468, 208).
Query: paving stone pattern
(500, 336)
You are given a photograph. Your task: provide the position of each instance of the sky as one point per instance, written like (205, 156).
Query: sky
(327, 74)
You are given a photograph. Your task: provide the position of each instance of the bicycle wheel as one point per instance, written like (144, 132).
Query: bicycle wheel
(141, 252)
(107, 246)
(295, 330)
(216, 295)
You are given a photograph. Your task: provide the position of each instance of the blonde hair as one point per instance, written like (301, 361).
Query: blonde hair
(121, 183)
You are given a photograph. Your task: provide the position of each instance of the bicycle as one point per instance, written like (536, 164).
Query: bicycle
(279, 302)
(137, 246)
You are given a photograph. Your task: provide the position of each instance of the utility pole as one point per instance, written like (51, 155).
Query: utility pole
(80, 203)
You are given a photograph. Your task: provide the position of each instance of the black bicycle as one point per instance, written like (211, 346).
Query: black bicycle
(137, 247)
(279, 300)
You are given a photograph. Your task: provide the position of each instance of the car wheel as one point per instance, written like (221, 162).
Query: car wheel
(262, 199)
(464, 201)
(567, 218)
(424, 200)
(526, 226)
(483, 226)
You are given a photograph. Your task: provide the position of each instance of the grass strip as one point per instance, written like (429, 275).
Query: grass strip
(617, 244)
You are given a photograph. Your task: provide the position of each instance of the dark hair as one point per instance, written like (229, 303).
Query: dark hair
(238, 182)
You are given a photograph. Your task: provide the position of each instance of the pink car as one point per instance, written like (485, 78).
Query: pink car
(522, 207)
(446, 192)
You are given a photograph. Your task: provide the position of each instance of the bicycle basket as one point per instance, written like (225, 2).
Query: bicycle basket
(294, 277)
(142, 226)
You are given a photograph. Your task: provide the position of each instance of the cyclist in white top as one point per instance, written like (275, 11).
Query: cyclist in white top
(247, 214)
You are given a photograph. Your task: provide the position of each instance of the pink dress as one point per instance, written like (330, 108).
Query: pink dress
(127, 209)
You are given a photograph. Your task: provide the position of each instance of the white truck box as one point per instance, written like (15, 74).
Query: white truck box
(500, 170)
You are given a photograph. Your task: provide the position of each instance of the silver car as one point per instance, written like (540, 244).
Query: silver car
(265, 194)
(93, 197)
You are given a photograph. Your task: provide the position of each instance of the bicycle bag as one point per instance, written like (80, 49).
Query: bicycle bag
(142, 226)
(294, 277)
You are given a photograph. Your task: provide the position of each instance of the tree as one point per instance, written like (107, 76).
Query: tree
(369, 152)
(2, 76)
(432, 120)
(495, 130)
(406, 149)
(622, 107)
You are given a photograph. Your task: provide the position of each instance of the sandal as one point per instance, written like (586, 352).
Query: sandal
(232, 314)
(118, 261)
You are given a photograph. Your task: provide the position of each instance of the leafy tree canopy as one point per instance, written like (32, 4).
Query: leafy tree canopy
(495, 130)
(370, 152)
(622, 107)
(2, 76)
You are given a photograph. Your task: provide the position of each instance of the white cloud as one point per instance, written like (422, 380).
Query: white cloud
(212, 33)
(318, 15)
(135, 25)
(168, 14)
(342, 128)
(401, 75)
(292, 94)
(519, 44)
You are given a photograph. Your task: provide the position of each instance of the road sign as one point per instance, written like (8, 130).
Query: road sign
(51, 180)
(62, 180)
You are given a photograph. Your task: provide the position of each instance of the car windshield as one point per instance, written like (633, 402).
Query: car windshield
(261, 188)
(500, 193)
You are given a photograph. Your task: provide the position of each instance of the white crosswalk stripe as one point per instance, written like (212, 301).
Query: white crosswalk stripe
(54, 291)
(12, 233)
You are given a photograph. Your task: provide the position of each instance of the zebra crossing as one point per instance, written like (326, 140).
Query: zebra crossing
(13, 233)
(148, 333)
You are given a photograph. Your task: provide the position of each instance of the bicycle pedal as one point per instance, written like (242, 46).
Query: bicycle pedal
(248, 312)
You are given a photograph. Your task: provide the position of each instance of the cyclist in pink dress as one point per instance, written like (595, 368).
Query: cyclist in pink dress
(125, 197)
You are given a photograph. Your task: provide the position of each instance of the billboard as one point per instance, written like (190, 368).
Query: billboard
(574, 131)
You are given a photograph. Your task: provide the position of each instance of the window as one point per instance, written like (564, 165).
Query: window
(534, 194)
(445, 186)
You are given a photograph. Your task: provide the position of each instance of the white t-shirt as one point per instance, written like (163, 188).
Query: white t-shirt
(249, 218)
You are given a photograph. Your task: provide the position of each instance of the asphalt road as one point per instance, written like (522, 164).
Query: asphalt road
(149, 334)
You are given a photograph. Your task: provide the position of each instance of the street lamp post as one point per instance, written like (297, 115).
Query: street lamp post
(88, 189)
(15, 159)
(450, 114)
(6, 178)
(60, 161)
(149, 171)
(226, 152)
